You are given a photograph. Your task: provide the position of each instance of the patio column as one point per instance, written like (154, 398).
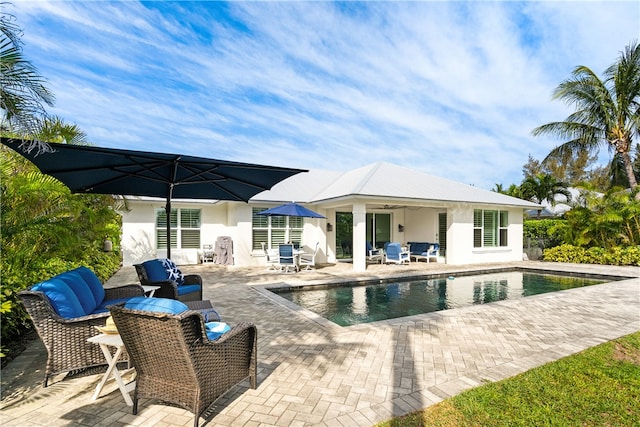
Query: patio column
(359, 236)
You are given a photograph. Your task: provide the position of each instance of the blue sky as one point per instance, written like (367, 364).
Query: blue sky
(448, 88)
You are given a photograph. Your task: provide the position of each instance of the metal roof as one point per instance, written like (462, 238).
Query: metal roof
(381, 180)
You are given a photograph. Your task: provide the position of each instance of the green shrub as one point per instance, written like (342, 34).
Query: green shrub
(47, 230)
(15, 320)
(616, 256)
(548, 232)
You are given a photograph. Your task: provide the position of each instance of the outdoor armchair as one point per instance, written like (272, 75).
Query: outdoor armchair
(173, 284)
(179, 360)
(394, 253)
(374, 255)
(65, 311)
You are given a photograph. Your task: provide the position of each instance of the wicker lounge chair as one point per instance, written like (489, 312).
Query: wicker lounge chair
(177, 363)
(190, 289)
(65, 336)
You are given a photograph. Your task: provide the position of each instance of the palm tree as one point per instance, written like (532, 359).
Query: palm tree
(607, 111)
(513, 190)
(54, 129)
(23, 95)
(543, 187)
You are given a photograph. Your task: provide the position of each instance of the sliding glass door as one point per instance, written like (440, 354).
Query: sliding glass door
(378, 229)
(378, 232)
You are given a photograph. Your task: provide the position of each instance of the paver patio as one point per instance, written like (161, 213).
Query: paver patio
(314, 374)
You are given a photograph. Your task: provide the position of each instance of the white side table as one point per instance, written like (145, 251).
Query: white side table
(106, 342)
(150, 290)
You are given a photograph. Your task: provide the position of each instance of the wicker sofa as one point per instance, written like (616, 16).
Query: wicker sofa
(65, 311)
(173, 284)
(177, 360)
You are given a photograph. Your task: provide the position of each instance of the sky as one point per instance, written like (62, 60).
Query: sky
(449, 88)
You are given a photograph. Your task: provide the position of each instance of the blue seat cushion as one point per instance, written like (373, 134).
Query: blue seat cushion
(216, 329)
(94, 283)
(418, 248)
(81, 289)
(393, 250)
(63, 299)
(156, 305)
(187, 289)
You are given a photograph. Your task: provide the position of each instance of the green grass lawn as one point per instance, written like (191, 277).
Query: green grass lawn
(597, 387)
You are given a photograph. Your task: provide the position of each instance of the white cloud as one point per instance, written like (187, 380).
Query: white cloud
(450, 88)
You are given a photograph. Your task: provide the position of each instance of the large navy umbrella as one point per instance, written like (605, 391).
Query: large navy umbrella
(291, 209)
(87, 169)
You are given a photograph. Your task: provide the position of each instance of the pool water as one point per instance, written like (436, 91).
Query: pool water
(348, 305)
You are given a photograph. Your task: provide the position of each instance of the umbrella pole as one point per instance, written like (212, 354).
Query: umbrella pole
(168, 211)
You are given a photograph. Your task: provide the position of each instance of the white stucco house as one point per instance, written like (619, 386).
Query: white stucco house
(377, 203)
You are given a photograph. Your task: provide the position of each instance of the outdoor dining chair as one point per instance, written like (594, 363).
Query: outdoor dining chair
(286, 258)
(308, 261)
(271, 256)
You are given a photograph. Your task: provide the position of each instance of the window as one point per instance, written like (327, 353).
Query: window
(185, 233)
(490, 228)
(275, 230)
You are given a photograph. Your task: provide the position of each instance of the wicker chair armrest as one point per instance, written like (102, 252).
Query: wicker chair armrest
(205, 308)
(124, 291)
(236, 329)
(168, 289)
(192, 279)
(96, 319)
(239, 348)
(163, 282)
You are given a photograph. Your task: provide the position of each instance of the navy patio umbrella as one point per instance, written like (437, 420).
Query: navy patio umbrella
(291, 209)
(89, 169)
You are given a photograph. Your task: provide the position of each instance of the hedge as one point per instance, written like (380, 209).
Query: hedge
(629, 255)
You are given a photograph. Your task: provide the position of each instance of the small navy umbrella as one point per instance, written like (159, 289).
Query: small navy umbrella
(291, 209)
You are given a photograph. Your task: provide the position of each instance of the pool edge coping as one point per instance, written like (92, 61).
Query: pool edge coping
(265, 290)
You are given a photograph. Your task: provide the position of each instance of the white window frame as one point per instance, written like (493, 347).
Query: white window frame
(277, 229)
(490, 228)
(180, 227)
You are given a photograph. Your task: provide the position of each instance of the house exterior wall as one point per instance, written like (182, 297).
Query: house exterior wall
(234, 220)
(138, 241)
(460, 248)
(139, 231)
(421, 224)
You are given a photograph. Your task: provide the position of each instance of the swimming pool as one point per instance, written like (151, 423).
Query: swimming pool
(353, 304)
